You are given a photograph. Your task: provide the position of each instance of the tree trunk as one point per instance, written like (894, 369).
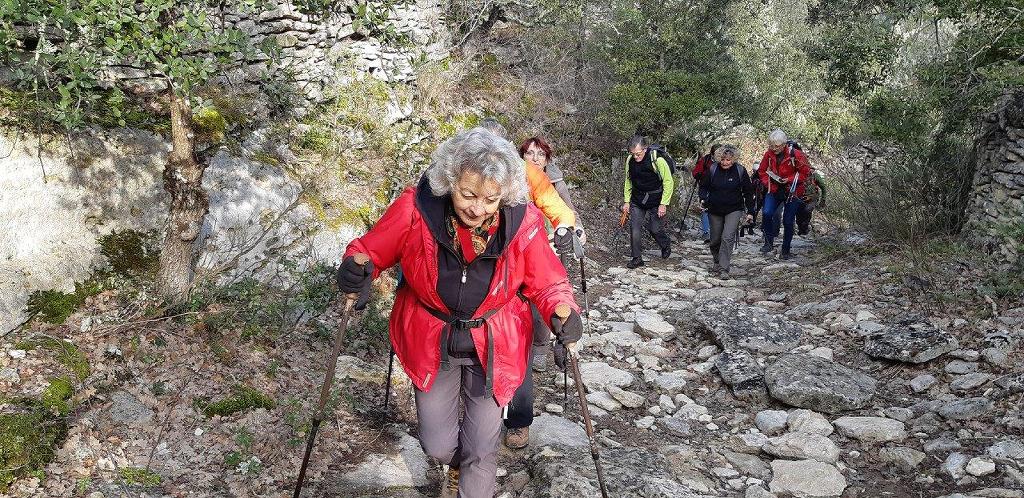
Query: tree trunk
(183, 180)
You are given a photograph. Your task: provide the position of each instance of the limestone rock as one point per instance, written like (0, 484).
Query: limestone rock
(741, 372)
(921, 383)
(406, 468)
(818, 384)
(738, 326)
(597, 376)
(803, 446)
(810, 422)
(671, 382)
(980, 466)
(549, 430)
(954, 465)
(652, 324)
(628, 399)
(871, 429)
(747, 464)
(909, 343)
(806, 478)
(1008, 450)
(970, 381)
(771, 422)
(966, 408)
(907, 459)
(604, 401)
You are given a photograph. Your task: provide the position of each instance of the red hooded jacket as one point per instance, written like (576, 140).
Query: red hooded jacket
(526, 265)
(793, 161)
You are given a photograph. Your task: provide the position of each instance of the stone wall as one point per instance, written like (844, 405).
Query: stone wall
(996, 207)
(318, 53)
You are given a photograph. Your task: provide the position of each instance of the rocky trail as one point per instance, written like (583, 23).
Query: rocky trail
(815, 377)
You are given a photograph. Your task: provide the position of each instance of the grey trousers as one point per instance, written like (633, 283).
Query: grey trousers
(637, 218)
(724, 231)
(471, 446)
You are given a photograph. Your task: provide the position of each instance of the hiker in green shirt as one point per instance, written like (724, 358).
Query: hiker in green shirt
(646, 194)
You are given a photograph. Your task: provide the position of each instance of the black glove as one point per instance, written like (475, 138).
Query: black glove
(563, 241)
(565, 333)
(561, 353)
(354, 278)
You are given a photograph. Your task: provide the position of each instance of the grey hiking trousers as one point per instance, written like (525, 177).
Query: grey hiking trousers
(471, 446)
(724, 231)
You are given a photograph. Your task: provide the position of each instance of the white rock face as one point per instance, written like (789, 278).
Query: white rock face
(44, 243)
(806, 478)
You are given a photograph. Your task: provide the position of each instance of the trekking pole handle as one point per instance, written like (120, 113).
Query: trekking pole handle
(562, 311)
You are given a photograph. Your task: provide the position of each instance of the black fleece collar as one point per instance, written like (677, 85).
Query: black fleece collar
(435, 210)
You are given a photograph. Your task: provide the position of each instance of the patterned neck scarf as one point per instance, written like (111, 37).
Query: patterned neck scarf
(472, 239)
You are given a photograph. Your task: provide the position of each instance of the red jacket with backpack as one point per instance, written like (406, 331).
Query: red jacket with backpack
(525, 265)
(793, 162)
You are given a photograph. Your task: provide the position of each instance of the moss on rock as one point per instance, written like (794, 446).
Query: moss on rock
(66, 353)
(55, 307)
(56, 395)
(242, 398)
(137, 476)
(29, 434)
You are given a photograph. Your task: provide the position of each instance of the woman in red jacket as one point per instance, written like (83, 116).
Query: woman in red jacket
(783, 171)
(469, 246)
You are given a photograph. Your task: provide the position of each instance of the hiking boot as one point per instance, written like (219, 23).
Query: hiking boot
(766, 248)
(517, 439)
(785, 255)
(724, 274)
(540, 360)
(666, 252)
(635, 263)
(715, 269)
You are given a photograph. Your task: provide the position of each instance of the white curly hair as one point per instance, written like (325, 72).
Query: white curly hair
(480, 151)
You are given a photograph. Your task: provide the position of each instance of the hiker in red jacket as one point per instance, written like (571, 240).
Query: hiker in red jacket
(784, 171)
(468, 245)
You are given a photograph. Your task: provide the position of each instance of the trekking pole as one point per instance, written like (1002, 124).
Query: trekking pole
(689, 200)
(387, 388)
(325, 391)
(577, 249)
(572, 358)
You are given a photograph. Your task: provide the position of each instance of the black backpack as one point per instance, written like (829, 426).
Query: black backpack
(659, 151)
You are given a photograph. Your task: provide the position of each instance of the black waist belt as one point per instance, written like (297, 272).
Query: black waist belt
(451, 324)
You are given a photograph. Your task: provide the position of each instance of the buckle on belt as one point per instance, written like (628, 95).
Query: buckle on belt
(466, 324)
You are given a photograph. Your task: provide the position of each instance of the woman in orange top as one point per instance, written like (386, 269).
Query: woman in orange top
(545, 196)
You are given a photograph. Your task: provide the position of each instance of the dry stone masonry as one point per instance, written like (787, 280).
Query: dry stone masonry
(996, 209)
